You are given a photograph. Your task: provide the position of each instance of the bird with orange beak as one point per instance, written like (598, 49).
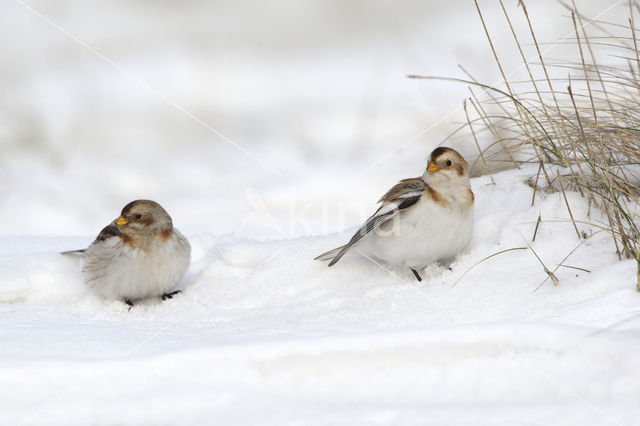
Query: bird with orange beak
(137, 256)
(420, 220)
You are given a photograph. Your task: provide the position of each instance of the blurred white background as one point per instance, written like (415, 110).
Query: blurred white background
(268, 119)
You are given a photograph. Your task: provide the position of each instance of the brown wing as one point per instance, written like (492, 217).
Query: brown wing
(404, 194)
(406, 188)
(108, 231)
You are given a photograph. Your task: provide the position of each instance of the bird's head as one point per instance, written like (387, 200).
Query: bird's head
(144, 216)
(445, 164)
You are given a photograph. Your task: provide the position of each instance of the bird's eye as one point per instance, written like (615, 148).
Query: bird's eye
(448, 163)
(138, 216)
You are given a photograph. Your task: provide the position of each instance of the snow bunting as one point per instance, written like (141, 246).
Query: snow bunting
(420, 220)
(138, 255)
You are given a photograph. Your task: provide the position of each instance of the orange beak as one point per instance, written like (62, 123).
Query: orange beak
(432, 167)
(121, 221)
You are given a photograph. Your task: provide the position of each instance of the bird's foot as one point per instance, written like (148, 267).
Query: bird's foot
(129, 302)
(166, 296)
(418, 277)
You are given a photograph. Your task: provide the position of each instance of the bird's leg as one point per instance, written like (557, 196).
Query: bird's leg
(128, 302)
(166, 296)
(418, 277)
(446, 263)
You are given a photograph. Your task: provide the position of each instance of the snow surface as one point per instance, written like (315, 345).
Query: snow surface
(315, 94)
(263, 334)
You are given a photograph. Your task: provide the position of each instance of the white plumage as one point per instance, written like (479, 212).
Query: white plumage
(427, 232)
(420, 220)
(137, 256)
(117, 270)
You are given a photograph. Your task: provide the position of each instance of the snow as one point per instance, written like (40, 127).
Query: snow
(262, 333)
(316, 96)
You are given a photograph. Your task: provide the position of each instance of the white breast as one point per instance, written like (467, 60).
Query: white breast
(118, 271)
(424, 233)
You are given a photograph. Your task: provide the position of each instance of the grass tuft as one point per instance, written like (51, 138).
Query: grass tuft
(582, 130)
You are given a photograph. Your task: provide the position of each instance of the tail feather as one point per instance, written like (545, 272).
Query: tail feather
(329, 255)
(345, 248)
(73, 252)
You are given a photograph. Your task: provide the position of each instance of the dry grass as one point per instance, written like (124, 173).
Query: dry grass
(583, 130)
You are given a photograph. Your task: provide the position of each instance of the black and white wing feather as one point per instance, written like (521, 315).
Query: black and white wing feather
(404, 194)
(108, 231)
